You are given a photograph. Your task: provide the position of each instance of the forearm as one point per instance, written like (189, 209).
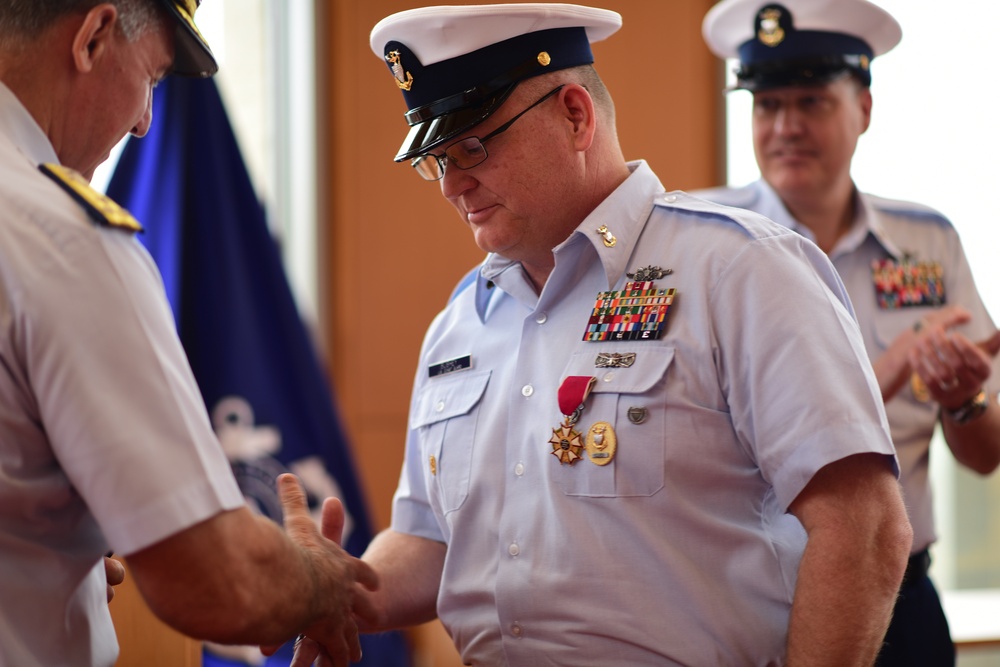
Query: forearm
(892, 369)
(409, 568)
(843, 603)
(236, 578)
(859, 539)
(976, 444)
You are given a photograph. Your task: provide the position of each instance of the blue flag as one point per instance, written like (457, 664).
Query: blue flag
(257, 368)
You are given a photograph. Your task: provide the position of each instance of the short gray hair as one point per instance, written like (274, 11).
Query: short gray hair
(23, 20)
(586, 76)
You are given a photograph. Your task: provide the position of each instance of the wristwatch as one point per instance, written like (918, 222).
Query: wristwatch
(966, 412)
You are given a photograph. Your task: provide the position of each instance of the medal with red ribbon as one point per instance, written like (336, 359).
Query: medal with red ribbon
(567, 444)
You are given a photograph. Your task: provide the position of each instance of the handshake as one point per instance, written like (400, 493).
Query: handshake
(238, 578)
(341, 582)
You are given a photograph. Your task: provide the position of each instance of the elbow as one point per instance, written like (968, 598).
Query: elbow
(896, 537)
(985, 469)
(983, 461)
(988, 465)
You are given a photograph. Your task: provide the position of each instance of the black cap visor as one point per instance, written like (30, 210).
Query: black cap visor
(192, 56)
(426, 135)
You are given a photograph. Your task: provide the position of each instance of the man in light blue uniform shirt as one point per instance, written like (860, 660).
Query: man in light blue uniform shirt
(925, 328)
(647, 434)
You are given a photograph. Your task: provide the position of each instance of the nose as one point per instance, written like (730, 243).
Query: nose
(456, 182)
(788, 120)
(142, 127)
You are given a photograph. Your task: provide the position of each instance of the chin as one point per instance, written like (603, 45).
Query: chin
(488, 242)
(786, 179)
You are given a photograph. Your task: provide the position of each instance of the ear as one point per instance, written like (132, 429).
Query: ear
(865, 100)
(94, 36)
(580, 112)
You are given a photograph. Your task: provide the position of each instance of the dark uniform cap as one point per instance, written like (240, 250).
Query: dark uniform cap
(192, 56)
(799, 42)
(457, 64)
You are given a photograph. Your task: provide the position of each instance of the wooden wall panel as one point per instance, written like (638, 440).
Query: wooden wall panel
(392, 248)
(144, 640)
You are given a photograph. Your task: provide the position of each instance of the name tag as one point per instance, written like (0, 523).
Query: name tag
(450, 366)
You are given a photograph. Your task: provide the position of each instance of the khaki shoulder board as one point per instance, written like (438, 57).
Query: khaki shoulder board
(100, 207)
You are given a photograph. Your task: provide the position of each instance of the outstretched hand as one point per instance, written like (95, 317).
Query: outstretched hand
(338, 575)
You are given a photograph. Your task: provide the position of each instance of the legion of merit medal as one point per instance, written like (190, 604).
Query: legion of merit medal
(601, 443)
(567, 443)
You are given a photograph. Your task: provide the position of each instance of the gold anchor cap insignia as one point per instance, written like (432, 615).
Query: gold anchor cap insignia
(770, 32)
(403, 78)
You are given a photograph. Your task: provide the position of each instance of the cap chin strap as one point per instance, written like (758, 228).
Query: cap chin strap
(475, 96)
(803, 72)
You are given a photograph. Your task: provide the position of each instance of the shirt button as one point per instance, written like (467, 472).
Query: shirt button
(513, 550)
(671, 199)
(440, 406)
(527, 390)
(515, 630)
(519, 469)
(608, 377)
(541, 318)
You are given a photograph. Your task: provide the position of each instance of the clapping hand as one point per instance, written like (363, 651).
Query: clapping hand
(952, 367)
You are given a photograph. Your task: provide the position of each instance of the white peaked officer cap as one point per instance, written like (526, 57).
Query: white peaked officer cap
(457, 64)
(799, 42)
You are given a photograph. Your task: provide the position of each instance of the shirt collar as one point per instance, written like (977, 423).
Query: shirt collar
(876, 226)
(867, 222)
(624, 213)
(18, 127)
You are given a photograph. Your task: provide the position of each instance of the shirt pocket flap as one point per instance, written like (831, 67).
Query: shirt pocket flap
(649, 367)
(447, 397)
(887, 328)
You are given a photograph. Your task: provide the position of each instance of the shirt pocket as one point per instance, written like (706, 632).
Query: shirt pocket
(445, 417)
(632, 401)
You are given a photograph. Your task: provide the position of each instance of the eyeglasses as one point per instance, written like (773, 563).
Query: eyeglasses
(468, 152)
